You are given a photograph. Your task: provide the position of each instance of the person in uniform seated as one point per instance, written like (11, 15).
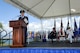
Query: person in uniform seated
(53, 35)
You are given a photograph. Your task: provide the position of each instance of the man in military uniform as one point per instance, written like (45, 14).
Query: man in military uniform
(70, 34)
(22, 17)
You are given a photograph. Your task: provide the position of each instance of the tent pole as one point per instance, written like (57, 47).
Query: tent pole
(41, 29)
(70, 12)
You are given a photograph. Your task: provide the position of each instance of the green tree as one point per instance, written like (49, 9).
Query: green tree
(1, 26)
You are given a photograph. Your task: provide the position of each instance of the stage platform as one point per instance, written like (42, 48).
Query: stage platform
(54, 44)
(45, 47)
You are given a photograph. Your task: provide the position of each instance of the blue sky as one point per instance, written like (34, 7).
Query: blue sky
(9, 12)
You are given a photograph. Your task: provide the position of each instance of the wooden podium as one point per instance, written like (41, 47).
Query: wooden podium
(18, 33)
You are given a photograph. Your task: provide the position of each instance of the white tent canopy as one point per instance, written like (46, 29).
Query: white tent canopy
(48, 8)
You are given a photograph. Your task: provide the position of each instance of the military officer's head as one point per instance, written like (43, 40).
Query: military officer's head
(22, 12)
(53, 28)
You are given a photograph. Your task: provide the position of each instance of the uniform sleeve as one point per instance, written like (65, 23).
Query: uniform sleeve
(27, 20)
(19, 18)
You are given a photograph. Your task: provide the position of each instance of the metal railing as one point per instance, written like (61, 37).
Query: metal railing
(5, 39)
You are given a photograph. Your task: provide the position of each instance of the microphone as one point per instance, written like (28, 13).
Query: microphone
(16, 17)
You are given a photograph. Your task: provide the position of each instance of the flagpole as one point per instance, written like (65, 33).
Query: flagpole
(61, 27)
(67, 24)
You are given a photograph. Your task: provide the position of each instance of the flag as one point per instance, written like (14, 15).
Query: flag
(75, 28)
(75, 25)
(61, 24)
(67, 24)
(55, 24)
(32, 34)
(79, 27)
(61, 27)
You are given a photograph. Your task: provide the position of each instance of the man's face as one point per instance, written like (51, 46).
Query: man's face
(22, 13)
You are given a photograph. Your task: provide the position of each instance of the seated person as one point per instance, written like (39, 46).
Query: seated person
(52, 35)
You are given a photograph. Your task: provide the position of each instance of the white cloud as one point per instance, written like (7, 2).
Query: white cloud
(34, 26)
(47, 24)
(6, 27)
